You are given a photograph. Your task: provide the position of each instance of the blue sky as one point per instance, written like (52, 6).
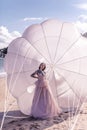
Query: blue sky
(14, 11)
(16, 15)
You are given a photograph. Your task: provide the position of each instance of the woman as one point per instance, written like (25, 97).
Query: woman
(44, 104)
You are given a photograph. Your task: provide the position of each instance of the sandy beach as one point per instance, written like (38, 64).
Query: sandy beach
(12, 119)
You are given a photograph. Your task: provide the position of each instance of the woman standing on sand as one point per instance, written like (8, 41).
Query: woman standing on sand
(44, 104)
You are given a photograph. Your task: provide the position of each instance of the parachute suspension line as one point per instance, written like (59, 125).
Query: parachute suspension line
(46, 42)
(18, 117)
(75, 120)
(37, 50)
(9, 108)
(20, 69)
(56, 87)
(49, 70)
(58, 41)
(73, 60)
(79, 65)
(5, 103)
(13, 69)
(14, 65)
(7, 93)
(67, 81)
(23, 72)
(74, 95)
(68, 49)
(72, 71)
(73, 98)
(26, 57)
(77, 117)
(79, 99)
(65, 90)
(57, 99)
(81, 91)
(86, 98)
(70, 87)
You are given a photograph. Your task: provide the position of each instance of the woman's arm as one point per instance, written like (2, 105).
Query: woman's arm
(34, 75)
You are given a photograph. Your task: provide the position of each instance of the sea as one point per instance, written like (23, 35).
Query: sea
(2, 70)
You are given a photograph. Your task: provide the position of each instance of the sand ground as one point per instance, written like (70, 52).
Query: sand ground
(12, 119)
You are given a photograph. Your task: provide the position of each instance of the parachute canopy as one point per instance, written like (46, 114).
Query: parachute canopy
(63, 49)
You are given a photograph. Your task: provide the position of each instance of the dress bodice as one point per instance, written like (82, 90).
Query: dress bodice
(42, 81)
(41, 75)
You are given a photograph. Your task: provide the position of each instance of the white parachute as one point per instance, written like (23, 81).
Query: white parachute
(63, 49)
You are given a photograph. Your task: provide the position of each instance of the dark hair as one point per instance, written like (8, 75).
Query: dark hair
(44, 66)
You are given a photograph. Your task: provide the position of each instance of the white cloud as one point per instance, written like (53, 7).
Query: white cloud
(81, 23)
(81, 6)
(6, 37)
(83, 18)
(33, 18)
(82, 26)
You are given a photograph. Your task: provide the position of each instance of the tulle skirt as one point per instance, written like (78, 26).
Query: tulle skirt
(44, 104)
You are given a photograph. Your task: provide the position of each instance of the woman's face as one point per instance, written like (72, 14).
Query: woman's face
(42, 67)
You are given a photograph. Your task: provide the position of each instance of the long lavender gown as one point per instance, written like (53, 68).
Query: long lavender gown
(44, 104)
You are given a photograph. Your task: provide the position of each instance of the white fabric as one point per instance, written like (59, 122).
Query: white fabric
(63, 49)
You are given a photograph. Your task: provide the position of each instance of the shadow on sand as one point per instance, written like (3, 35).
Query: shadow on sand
(15, 120)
